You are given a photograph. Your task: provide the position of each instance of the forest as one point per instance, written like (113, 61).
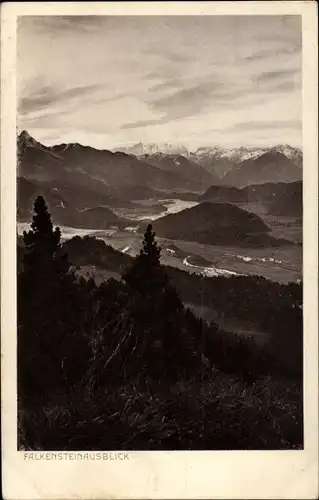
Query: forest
(126, 364)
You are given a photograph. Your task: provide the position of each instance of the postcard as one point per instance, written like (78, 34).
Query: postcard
(159, 240)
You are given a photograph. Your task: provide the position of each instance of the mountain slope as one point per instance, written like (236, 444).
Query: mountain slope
(216, 224)
(115, 169)
(62, 211)
(272, 191)
(184, 166)
(279, 198)
(288, 202)
(88, 167)
(220, 161)
(27, 192)
(269, 167)
(223, 194)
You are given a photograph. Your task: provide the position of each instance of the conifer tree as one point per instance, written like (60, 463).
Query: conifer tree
(50, 307)
(147, 277)
(158, 316)
(43, 244)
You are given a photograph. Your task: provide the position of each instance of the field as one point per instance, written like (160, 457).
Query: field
(282, 264)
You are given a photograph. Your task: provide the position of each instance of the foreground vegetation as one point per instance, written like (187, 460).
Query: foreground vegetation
(125, 365)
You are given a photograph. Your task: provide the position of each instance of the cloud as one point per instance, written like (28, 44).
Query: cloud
(144, 123)
(168, 85)
(51, 96)
(267, 125)
(209, 95)
(154, 78)
(270, 76)
(259, 55)
(60, 25)
(183, 103)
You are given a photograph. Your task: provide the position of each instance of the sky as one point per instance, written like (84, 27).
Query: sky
(111, 81)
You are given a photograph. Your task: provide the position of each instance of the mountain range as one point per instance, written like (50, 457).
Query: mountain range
(140, 149)
(103, 170)
(217, 160)
(178, 163)
(82, 184)
(271, 166)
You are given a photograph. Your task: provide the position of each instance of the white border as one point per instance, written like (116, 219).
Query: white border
(156, 475)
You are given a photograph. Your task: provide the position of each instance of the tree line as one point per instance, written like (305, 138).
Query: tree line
(70, 329)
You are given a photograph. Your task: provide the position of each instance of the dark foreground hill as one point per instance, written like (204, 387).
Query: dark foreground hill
(216, 224)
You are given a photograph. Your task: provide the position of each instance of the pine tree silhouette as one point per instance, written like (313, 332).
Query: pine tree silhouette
(43, 243)
(147, 277)
(50, 305)
(150, 248)
(165, 346)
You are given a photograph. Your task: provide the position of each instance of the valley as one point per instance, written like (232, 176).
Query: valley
(158, 295)
(281, 264)
(204, 225)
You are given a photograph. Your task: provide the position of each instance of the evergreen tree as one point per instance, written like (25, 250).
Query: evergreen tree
(43, 244)
(52, 349)
(165, 345)
(147, 277)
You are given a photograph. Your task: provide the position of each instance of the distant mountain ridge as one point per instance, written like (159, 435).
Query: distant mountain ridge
(272, 166)
(179, 163)
(94, 168)
(237, 154)
(74, 178)
(140, 149)
(245, 153)
(217, 160)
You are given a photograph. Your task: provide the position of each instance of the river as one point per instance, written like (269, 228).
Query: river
(282, 264)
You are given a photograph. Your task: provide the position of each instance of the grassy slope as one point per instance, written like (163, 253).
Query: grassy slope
(222, 413)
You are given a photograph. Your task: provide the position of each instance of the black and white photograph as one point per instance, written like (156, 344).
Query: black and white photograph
(159, 250)
(159, 233)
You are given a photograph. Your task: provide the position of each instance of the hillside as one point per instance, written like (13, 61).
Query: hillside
(220, 161)
(64, 213)
(27, 192)
(216, 224)
(270, 167)
(279, 198)
(184, 166)
(223, 194)
(289, 203)
(92, 168)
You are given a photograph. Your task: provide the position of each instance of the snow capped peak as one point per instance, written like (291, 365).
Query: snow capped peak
(140, 149)
(287, 150)
(239, 154)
